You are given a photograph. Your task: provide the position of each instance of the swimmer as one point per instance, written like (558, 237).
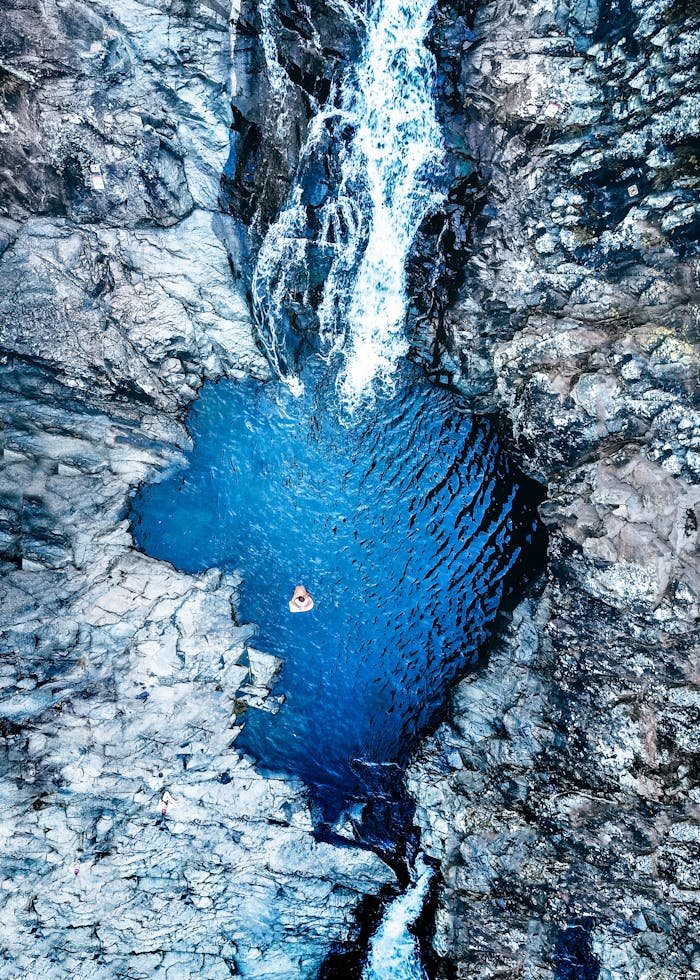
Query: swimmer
(301, 601)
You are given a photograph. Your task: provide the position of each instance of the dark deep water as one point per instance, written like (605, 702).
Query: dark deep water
(406, 525)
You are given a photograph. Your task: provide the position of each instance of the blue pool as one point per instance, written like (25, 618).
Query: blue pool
(404, 523)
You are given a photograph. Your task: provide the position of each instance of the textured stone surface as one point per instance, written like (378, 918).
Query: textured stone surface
(564, 788)
(114, 262)
(134, 836)
(558, 287)
(136, 841)
(286, 61)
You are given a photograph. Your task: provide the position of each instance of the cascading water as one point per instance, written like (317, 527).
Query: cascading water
(393, 951)
(400, 142)
(275, 71)
(383, 144)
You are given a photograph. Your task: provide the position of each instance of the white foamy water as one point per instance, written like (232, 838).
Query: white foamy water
(387, 167)
(393, 952)
(399, 144)
(275, 72)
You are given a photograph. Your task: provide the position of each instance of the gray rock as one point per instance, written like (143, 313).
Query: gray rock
(563, 788)
(136, 841)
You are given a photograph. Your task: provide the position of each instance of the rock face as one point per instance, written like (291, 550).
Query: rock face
(557, 287)
(283, 178)
(136, 841)
(287, 58)
(561, 797)
(114, 265)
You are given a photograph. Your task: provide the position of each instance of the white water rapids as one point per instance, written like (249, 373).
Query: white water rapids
(386, 170)
(393, 952)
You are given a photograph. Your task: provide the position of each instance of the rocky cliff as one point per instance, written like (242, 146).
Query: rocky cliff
(556, 288)
(135, 840)
(561, 796)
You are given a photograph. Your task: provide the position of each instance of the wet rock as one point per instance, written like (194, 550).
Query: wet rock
(287, 61)
(563, 788)
(114, 262)
(148, 314)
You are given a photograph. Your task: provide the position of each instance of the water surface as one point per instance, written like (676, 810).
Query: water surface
(404, 525)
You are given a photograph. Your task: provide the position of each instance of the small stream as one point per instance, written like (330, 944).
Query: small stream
(393, 952)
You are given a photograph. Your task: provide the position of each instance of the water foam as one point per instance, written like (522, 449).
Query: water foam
(275, 72)
(393, 952)
(399, 143)
(381, 130)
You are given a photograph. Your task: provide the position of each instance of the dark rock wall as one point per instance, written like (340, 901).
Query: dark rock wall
(287, 59)
(564, 789)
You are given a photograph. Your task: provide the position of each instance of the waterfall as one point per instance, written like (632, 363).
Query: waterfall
(379, 135)
(275, 72)
(398, 141)
(393, 952)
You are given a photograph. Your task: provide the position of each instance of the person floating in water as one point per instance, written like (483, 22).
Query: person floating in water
(301, 601)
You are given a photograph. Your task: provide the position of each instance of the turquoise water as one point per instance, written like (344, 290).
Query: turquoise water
(404, 524)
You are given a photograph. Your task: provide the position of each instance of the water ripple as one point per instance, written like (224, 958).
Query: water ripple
(404, 526)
